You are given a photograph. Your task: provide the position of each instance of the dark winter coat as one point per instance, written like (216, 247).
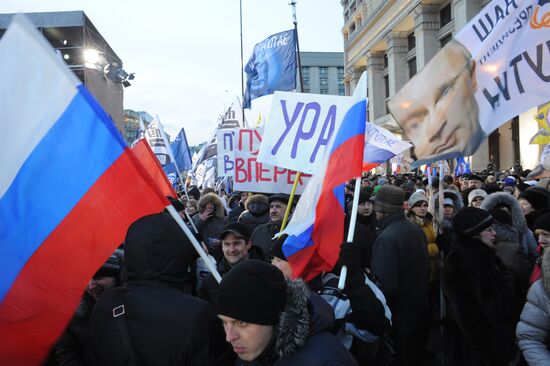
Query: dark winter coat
(166, 327)
(71, 348)
(400, 262)
(257, 211)
(526, 237)
(445, 232)
(210, 286)
(235, 213)
(303, 335)
(480, 322)
(263, 234)
(509, 251)
(533, 330)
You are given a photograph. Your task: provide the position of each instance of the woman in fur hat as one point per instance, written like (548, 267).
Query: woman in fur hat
(511, 205)
(209, 221)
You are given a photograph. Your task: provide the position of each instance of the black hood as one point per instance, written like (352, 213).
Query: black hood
(156, 249)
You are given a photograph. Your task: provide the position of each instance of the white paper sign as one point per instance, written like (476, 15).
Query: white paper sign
(226, 157)
(251, 175)
(299, 128)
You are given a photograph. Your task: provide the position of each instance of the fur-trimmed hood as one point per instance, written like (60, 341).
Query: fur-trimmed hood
(505, 233)
(213, 199)
(498, 199)
(545, 272)
(305, 314)
(457, 200)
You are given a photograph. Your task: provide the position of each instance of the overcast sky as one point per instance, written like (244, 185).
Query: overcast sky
(186, 54)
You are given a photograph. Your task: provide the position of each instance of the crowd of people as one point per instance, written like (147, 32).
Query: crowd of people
(439, 273)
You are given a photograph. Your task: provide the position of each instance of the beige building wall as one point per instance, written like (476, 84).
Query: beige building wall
(527, 129)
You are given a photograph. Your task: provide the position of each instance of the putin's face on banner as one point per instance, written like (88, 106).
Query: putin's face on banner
(437, 108)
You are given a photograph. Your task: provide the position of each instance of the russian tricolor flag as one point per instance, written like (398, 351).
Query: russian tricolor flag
(69, 189)
(316, 229)
(380, 146)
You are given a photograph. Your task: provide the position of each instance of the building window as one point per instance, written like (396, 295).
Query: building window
(385, 60)
(305, 71)
(412, 67)
(445, 15)
(306, 90)
(323, 70)
(443, 41)
(411, 41)
(341, 71)
(324, 81)
(305, 79)
(324, 90)
(341, 90)
(386, 86)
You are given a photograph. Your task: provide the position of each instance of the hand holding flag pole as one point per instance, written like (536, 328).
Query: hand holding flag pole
(351, 230)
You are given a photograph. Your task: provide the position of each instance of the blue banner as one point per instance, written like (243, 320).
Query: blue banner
(462, 167)
(271, 67)
(180, 148)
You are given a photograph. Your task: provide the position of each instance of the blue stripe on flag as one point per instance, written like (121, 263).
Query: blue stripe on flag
(295, 243)
(61, 169)
(376, 155)
(350, 127)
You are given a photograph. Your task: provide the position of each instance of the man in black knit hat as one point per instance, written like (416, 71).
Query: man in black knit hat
(270, 321)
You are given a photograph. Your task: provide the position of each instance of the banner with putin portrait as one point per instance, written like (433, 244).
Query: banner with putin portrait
(496, 67)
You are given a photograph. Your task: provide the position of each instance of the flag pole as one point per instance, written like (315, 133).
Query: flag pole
(351, 230)
(295, 21)
(298, 174)
(195, 243)
(289, 204)
(242, 60)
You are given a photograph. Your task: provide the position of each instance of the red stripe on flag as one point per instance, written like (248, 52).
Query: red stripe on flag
(328, 232)
(47, 291)
(151, 164)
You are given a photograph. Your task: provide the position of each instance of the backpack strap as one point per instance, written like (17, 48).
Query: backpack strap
(120, 320)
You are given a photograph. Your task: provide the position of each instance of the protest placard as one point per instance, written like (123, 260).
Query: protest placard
(251, 175)
(299, 128)
(226, 158)
(495, 68)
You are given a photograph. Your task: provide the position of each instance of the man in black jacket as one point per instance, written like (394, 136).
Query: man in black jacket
(400, 261)
(151, 321)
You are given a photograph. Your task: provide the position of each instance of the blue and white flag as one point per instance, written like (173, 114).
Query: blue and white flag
(180, 148)
(271, 67)
(462, 167)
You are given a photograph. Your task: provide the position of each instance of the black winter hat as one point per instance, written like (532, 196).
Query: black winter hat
(536, 196)
(364, 196)
(389, 199)
(279, 197)
(471, 221)
(501, 216)
(277, 248)
(178, 205)
(238, 228)
(194, 193)
(112, 267)
(253, 292)
(542, 222)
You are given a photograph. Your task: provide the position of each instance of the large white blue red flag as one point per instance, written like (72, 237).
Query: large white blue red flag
(69, 189)
(380, 146)
(316, 229)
